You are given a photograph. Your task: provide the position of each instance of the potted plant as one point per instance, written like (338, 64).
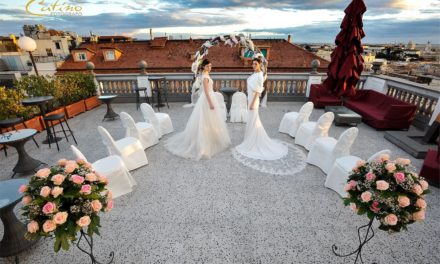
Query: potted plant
(63, 201)
(70, 91)
(88, 90)
(11, 107)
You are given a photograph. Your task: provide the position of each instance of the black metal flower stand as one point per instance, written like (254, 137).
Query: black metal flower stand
(89, 240)
(362, 242)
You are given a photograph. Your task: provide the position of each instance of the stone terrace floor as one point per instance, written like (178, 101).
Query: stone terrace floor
(218, 211)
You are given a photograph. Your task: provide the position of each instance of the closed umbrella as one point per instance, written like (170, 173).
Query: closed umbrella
(347, 63)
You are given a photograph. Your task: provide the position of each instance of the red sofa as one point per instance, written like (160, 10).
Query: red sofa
(322, 97)
(382, 111)
(431, 167)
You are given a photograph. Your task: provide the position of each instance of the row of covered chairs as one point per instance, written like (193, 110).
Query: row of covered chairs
(331, 155)
(313, 136)
(128, 154)
(238, 111)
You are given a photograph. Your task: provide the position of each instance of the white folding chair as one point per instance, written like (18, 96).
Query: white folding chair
(221, 104)
(325, 150)
(309, 131)
(141, 130)
(160, 121)
(338, 175)
(292, 120)
(129, 149)
(239, 108)
(120, 181)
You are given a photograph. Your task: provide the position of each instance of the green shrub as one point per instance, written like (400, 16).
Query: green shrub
(33, 85)
(10, 101)
(67, 88)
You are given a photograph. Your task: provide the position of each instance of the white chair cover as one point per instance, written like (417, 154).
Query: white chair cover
(120, 181)
(239, 108)
(142, 130)
(160, 121)
(338, 175)
(308, 132)
(221, 103)
(129, 149)
(292, 120)
(325, 150)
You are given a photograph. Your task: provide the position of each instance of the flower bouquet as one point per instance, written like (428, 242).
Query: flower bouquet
(63, 200)
(389, 191)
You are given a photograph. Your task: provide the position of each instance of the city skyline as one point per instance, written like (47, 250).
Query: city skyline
(389, 21)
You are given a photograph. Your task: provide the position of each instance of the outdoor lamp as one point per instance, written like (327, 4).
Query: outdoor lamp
(142, 65)
(29, 45)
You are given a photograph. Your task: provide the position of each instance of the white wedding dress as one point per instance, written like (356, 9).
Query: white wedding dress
(205, 134)
(257, 144)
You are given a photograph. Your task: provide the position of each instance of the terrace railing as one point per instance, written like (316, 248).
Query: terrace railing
(280, 87)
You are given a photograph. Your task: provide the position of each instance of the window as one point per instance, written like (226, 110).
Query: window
(57, 45)
(249, 54)
(81, 56)
(110, 55)
(49, 52)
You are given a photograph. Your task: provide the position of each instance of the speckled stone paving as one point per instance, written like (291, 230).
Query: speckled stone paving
(219, 211)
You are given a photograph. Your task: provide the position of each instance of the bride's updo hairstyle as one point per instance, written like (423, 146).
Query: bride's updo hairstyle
(203, 64)
(257, 60)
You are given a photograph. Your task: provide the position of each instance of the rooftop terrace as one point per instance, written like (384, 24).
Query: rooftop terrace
(218, 211)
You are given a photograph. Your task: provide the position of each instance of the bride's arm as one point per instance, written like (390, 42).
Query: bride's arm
(257, 92)
(206, 89)
(254, 99)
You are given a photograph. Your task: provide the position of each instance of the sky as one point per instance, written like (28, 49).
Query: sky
(308, 21)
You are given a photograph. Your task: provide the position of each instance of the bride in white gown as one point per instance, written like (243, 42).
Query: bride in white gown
(206, 133)
(257, 144)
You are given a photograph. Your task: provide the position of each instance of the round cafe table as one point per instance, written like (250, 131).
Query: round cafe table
(13, 241)
(17, 139)
(107, 99)
(42, 101)
(228, 91)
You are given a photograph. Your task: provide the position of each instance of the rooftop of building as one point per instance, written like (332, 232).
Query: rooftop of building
(164, 55)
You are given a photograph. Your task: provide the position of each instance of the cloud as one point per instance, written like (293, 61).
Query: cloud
(80, 2)
(284, 4)
(111, 23)
(13, 12)
(386, 31)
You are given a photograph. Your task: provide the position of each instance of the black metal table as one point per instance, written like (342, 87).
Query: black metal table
(11, 122)
(107, 99)
(17, 139)
(138, 96)
(344, 116)
(228, 91)
(42, 101)
(159, 90)
(13, 241)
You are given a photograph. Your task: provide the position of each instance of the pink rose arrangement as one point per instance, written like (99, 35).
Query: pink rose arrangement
(60, 201)
(389, 191)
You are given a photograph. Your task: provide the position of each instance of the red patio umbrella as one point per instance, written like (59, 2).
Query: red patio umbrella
(346, 61)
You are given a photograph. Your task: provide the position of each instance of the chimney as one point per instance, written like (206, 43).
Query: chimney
(151, 34)
(289, 38)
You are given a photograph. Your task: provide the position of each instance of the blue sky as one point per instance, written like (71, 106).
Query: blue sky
(386, 21)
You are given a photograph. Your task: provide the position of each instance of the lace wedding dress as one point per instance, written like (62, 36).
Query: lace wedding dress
(205, 134)
(257, 144)
(258, 151)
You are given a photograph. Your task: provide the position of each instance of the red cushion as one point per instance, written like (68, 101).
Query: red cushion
(431, 168)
